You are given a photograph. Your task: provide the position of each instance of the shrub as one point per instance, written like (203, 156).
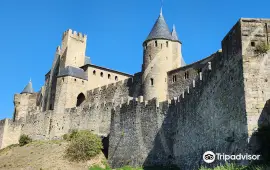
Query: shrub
(24, 140)
(71, 135)
(83, 146)
(262, 48)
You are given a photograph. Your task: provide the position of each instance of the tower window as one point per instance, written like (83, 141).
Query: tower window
(101, 74)
(109, 76)
(174, 78)
(94, 72)
(199, 70)
(152, 81)
(186, 75)
(253, 44)
(167, 44)
(116, 78)
(155, 43)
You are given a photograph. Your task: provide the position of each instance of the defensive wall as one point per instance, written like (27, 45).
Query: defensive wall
(209, 111)
(94, 114)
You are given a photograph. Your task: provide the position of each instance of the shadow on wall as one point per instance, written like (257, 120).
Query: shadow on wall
(204, 121)
(260, 139)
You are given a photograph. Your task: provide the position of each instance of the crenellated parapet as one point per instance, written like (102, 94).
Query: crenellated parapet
(74, 34)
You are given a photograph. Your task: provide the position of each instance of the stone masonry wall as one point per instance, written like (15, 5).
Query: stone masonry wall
(205, 117)
(256, 68)
(179, 79)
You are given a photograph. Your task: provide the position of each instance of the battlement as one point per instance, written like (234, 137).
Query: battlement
(75, 34)
(111, 86)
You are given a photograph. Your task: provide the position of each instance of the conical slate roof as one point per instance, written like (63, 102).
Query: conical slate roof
(174, 34)
(28, 88)
(160, 30)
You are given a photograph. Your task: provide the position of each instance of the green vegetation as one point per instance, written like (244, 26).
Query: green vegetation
(24, 140)
(95, 167)
(236, 167)
(262, 48)
(83, 146)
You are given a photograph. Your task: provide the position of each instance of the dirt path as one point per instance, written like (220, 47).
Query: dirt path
(41, 156)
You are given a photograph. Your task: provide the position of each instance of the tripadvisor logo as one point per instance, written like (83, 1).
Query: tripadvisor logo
(210, 157)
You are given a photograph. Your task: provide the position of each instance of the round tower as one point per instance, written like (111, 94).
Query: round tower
(162, 53)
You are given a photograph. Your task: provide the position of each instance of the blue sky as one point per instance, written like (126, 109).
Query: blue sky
(31, 30)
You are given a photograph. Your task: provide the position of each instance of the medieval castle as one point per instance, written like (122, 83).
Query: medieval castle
(169, 113)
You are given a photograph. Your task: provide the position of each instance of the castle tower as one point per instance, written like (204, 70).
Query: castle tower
(73, 49)
(162, 53)
(24, 102)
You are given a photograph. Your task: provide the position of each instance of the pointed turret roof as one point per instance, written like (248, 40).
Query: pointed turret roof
(174, 34)
(28, 88)
(160, 30)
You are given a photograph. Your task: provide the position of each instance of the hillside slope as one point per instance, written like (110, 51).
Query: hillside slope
(41, 155)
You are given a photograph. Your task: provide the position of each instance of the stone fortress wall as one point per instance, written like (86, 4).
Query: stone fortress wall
(209, 110)
(213, 104)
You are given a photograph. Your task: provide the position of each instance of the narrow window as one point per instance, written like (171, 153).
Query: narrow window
(116, 78)
(186, 75)
(167, 44)
(174, 78)
(63, 79)
(199, 70)
(155, 43)
(101, 74)
(253, 44)
(150, 57)
(82, 82)
(94, 72)
(74, 79)
(161, 45)
(109, 76)
(152, 81)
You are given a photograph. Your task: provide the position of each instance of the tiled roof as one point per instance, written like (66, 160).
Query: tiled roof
(160, 30)
(28, 88)
(74, 72)
(174, 34)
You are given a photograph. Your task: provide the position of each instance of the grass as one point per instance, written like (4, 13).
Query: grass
(8, 148)
(225, 167)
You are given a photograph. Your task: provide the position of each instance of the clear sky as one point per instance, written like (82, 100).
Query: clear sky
(31, 30)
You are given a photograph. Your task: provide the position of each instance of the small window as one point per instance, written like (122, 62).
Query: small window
(116, 78)
(167, 44)
(199, 70)
(253, 44)
(94, 72)
(155, 43)
(152, 81)
(109, 76)
(63, 79)
(75, 80)
(186, 75)
(161, 45)
(174, 78)
(82, 82)
(150, 57)
(101, 74)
